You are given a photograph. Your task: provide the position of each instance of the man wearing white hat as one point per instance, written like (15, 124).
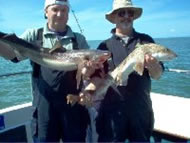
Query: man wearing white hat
(54, 119)
(130, 115)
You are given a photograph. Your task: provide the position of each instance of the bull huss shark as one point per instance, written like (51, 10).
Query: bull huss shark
(119, 76)
(56, 58)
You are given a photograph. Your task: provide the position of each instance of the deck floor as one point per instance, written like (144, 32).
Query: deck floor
(172, 114)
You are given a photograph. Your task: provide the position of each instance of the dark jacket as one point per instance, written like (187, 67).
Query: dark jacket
(138, 87)
(126, 112)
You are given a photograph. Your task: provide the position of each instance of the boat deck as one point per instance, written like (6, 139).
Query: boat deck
(172, 115)
(172, 120)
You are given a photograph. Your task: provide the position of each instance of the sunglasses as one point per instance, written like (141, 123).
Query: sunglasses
(125, 13)
(62, 0)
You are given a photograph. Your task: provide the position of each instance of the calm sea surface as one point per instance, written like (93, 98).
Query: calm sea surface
(175, 80)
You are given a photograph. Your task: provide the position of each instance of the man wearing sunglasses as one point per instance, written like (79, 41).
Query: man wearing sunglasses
(128, 115)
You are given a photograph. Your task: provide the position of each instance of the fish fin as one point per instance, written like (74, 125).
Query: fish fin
(119, 80)
(138, 45)
(79, 73)
(103, 59)
(139, 68)
(57, 48)
(72, 99)
(124, 82)
(10, 37)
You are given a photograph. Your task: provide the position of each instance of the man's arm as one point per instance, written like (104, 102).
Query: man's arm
(154, 67)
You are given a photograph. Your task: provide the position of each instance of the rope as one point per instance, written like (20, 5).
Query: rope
(14, 74)
(177, 70)
(77, 21)
(29, 72)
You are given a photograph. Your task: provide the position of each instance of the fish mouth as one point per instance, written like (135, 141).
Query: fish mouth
(174, 55)
(104, 57)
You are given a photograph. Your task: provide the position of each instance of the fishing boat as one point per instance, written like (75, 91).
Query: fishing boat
(171, 118)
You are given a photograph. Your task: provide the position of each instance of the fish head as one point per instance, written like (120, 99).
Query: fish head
(160, 52)
(99, 56)
(102, 56)
(164, 54)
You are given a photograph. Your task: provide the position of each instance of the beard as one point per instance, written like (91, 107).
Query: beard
(125, 24)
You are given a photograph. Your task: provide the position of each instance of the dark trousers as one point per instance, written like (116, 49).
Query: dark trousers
(121, 119)
(54, 121)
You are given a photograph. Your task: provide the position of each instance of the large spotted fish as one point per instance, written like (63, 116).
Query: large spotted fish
(55, 58)
(133, 62)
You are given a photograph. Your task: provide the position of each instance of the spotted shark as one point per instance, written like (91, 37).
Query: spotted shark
(134, 62)
(56, 58)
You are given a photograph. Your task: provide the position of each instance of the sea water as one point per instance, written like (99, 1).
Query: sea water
(15, 89)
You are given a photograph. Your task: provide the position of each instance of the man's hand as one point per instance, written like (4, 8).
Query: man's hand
(89, 69)
(153, 66)
(85, 99)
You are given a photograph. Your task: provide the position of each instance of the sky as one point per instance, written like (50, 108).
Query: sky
(160, 18)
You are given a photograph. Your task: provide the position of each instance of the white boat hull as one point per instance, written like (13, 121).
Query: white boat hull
(171, 117)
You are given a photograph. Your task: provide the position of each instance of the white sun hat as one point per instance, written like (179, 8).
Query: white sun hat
(123, 4)
(59, 2)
